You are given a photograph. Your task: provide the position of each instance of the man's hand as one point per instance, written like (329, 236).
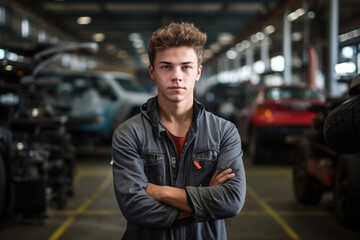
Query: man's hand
(177, 197)
(218, 179)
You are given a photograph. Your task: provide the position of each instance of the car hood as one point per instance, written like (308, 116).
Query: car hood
(138, 98)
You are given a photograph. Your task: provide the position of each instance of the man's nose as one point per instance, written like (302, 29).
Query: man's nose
(177, 74)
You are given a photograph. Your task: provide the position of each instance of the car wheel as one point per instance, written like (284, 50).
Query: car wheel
(307, 188)
(257, 151)
(342, 127)
(347, 191)
(2, 186)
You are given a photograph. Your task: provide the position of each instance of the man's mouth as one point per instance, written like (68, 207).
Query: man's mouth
(176, 88)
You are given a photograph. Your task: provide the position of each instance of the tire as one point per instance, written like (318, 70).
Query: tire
(308, 190)
(342, 127)
(347, 191)
(2, 186)
(257, 151)
(354, 88)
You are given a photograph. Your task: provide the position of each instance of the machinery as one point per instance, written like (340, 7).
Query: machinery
(328, 159)
(36, 156)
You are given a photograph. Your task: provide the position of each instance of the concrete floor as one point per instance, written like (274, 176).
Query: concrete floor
(270, 210)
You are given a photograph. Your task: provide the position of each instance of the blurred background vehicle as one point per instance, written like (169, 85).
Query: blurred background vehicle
(36, 156)
(95, 102)
(271, 117)
(328, 160)
(222, 98)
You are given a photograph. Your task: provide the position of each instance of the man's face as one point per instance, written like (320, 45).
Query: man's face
(176, 70)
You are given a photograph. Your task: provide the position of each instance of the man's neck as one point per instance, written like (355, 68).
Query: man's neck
(177, 117)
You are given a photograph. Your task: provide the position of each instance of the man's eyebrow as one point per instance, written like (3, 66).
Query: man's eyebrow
(183, 63)
(165, 62)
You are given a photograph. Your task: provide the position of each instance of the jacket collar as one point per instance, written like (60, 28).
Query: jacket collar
(150, 111)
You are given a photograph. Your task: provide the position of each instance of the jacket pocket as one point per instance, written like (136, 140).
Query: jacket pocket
(204, 163)
(155, 168)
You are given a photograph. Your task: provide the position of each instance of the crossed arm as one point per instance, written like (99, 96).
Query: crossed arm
(176, 197)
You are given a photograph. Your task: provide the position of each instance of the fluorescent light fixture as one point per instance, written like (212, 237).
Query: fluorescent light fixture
(2, 53)
(231, 54)
(296, 14)
(270, 29)
(277, 63)
(83, 20)
(25, 28)
(349, 35)
(215, 47)
(123, 54)
(225, 38)
(98, 37)
(345, 68)
(208, 54)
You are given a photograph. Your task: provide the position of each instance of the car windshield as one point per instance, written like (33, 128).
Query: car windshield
(130, 85)
(74, 85)
(279, 93)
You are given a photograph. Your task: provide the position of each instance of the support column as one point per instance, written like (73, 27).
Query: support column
(331, 83)
(265, 52)
(287, 49)
(250, 61)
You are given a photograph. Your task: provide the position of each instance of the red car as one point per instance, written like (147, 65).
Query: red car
(273, 116)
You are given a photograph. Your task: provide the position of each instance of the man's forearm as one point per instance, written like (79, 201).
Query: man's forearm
(175, 197)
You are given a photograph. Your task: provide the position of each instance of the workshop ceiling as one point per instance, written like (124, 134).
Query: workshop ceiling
(123, 27)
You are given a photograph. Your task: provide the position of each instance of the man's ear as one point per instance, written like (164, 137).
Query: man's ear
(198, 73)
(152, 72)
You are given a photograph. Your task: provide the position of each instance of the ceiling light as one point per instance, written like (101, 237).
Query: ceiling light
(144, 58)
(269, 29)
(225, 38)
(349, 35)
(134, 36)
(260, 36)
(83, 20)
(140, 50)
(231, 54)
(215, 47)
(296, 14)
(246, 44)
(98, 37)
(2, 53)
(41, 36)
(208, 54)
(8, 67)
(25, 28)
(138, 43)
(111, 48)
(122, 54)
(296, 36)
(311, 14)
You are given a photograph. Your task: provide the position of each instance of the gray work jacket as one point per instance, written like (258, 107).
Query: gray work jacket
(143, 151)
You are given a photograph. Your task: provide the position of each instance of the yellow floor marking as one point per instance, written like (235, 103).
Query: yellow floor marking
(285, 213)
(103, 212)
(60, 231)
(292, 234)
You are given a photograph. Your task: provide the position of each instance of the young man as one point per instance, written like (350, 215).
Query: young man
(178, 169)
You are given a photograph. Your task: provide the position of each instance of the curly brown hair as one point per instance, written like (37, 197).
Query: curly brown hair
(177, 35)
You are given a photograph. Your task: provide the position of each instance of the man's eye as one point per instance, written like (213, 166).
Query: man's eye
(165, 67)
(186, 67)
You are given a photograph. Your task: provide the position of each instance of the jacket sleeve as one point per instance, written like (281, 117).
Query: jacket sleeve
(130, 183)
(225, 200)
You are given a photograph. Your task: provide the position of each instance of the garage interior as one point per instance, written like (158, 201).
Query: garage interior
(250, 43)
